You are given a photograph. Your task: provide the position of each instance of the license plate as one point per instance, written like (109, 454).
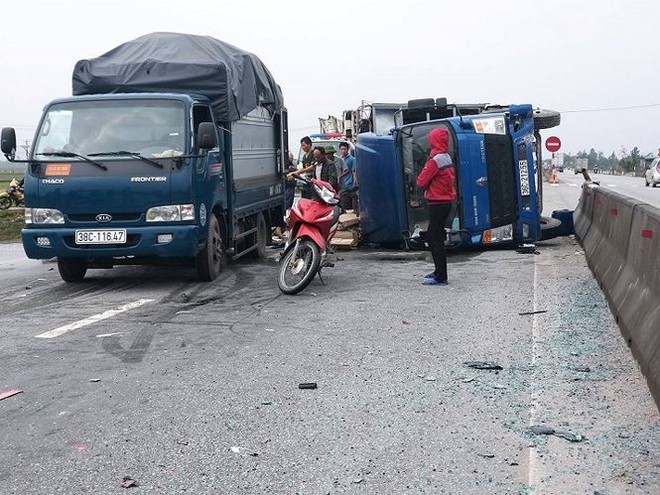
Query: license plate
(101, 236)
(524, 177)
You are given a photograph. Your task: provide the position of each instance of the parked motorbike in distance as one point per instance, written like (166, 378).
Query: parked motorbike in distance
(13, 196)
(312, 223)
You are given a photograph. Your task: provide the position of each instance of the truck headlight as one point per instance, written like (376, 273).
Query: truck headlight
(43, 216)
(171, 213)
(499, 234)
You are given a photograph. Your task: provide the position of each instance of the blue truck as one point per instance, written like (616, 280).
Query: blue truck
(169, 151)
(496, 151)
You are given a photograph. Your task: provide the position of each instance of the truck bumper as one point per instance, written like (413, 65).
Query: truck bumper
(45, 243)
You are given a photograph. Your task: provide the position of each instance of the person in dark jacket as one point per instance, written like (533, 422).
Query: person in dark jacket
(322, 168)
(437, 179)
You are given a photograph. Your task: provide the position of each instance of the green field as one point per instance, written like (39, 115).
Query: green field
(11, 223)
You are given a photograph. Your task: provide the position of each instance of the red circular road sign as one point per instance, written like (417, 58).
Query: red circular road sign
(552, 144)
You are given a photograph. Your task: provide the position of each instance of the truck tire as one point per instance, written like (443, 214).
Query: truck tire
(261, 237)
(421, 103)
(550, 228)
(211, 259)
(72, 269)
(545, 119)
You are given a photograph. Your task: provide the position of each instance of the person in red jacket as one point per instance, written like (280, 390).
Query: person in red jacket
(437, 180)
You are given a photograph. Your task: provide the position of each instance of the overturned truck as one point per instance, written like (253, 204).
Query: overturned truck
(497, 154)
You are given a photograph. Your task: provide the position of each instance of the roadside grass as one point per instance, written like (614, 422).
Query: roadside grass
(11, 223)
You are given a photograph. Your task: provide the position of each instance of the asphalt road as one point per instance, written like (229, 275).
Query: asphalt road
(191, 387)
(633, 187)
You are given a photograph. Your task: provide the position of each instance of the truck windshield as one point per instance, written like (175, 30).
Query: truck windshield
(153, 128)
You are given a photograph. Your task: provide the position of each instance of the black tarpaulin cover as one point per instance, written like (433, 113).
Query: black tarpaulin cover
(236, 81)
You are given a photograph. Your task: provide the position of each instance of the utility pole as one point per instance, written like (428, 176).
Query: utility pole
(26, 148)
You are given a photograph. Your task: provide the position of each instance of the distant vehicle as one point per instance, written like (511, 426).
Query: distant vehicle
(561, 169)
(653, 173)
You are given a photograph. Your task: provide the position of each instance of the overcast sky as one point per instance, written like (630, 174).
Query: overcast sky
(588, 59)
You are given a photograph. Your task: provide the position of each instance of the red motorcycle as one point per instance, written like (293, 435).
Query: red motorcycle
(312, 223)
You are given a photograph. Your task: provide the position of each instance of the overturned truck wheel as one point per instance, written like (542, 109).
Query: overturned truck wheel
(550, 228)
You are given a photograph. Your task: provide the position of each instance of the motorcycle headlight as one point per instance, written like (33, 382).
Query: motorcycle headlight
(41, 216)
(171, 213)
(326, 195)
(499, 234)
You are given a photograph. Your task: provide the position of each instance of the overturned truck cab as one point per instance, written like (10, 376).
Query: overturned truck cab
(495, 151)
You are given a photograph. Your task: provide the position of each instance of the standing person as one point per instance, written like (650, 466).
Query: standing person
(348, 180)
(322, 168)
(307, 159)
(290, 185)
(338, 162)
(437, 180)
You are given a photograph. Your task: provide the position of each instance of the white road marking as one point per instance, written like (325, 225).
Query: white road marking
(533, 475)
(92, 319)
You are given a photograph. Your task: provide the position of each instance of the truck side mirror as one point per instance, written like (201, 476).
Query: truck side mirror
(206, 136)
(8, 143)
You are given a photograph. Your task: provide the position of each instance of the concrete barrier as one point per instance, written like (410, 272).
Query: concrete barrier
(621, 240)
(582, 214)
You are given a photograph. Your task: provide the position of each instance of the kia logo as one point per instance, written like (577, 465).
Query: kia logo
(103, 217)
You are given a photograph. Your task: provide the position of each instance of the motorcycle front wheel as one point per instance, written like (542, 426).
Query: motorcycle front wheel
(297, 273)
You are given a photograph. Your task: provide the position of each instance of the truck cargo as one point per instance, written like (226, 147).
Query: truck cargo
(169, 151)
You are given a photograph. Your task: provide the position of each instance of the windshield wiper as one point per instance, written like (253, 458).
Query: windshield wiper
(134, 154)
(71, 154)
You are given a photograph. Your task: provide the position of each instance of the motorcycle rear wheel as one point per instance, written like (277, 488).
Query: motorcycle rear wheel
(296, 274)
(5, 202)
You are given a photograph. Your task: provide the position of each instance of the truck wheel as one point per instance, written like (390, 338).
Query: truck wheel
(211, 258)
(550, 228)
(261, 237)
(545, 119)
(72, 269)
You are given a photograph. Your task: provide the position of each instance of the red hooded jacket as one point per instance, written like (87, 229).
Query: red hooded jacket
(437, 176)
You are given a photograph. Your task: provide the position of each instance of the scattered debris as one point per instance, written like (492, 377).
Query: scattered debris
(482, 365)
(405, 322)
(537, 312)
(499, 386)
(581, 369)
(358, 480)
(182, 442)
(128, 482)
(487, 456)
(542, 430)
(266, 403)
(527, 249)
(269, 329)
(547, 430)
(80, 447)
(9, 393)
(27, 287)
(430, 378)
(569, 435)
(185, 297)
(235, 450)
(94, 380)
(103, 335)
(468, 380)
(308, 385)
